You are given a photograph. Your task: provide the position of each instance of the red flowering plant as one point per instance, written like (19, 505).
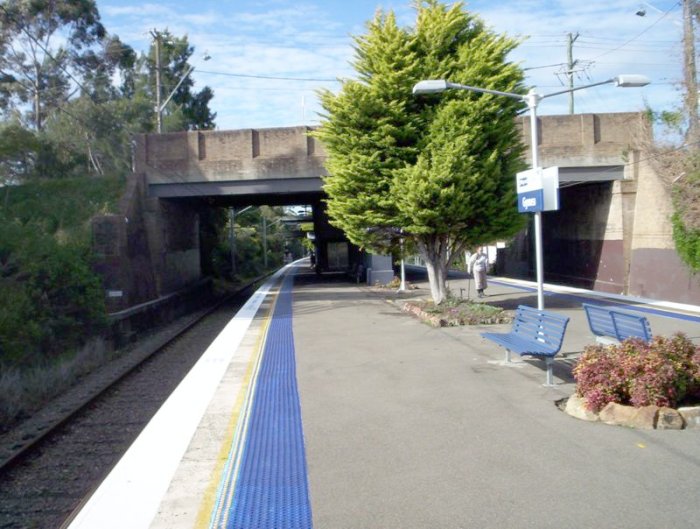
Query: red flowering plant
(663, 372)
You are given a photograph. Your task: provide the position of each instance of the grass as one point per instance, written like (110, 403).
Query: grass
(62, 207)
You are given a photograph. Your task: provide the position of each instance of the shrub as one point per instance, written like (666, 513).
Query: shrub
(52, 299)
(663, 372)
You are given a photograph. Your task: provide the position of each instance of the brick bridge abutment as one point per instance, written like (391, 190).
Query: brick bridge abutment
(612, 233)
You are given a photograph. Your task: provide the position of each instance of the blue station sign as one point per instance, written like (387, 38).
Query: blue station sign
(531, 201)
(538, 190)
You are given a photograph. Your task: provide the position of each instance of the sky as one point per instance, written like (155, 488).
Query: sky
(269, 57)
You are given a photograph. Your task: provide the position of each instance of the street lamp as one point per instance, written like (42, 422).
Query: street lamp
(265, 227)
(532, 98)
(232, 236)
(161, 106)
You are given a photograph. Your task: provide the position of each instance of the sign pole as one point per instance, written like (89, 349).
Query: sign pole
(532, 101)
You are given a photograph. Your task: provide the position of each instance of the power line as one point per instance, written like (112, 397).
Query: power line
(272, 77)
(545, 66)
(641, 33)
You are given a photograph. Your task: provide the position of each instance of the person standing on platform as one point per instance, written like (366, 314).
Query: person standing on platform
(478, 265)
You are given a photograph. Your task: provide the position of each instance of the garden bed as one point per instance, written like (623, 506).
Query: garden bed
(647, 385)
(457, 312)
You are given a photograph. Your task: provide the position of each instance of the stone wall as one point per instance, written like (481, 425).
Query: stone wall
(656, 271)
(122, 249)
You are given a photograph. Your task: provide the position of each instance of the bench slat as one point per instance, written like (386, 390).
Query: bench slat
(599, 321)
(534, 333)
(617, 324)
(519, 345)
(629, 326)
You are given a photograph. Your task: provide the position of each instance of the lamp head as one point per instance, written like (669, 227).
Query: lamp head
(631, 80)
(430, 87)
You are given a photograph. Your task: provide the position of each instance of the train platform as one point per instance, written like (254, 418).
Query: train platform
(323, 405)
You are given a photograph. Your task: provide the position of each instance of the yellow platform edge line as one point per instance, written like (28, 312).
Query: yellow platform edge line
(205, 511)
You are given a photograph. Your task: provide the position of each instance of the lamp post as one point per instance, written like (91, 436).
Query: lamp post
(161, 106)
(265, 227)
(232, 236)
(402, 285)
(532, 98)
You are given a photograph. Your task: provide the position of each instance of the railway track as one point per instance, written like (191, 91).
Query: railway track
(50, 465)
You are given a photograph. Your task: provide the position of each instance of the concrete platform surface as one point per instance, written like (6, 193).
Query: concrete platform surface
(407, 426)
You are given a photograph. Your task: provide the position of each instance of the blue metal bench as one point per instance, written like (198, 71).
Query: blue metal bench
(611, 325)
(534, 333)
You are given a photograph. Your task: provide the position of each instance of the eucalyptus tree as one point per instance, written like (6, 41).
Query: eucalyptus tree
(441, 168)
(92, 131)
(41, 44)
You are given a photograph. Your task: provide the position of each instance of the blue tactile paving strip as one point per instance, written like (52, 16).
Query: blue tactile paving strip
(267, 487)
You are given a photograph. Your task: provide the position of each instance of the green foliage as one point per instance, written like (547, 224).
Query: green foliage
(215, 237)
(53, 300)
(187, 110)
(462, 184)
(61, 208)
(441, 167)
(28, 35)
(663, 372)
(19, 149)
(20, 332)
(67, 297)
(97, 143)
(687, 242)
(46, 48)
(686, 217)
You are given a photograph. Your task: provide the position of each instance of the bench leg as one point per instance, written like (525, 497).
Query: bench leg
(550, 377)
(507, 361)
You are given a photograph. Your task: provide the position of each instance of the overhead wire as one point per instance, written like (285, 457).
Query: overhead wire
(272, 77)
(666, 13)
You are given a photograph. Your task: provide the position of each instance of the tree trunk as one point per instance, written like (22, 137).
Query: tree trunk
(434, 253)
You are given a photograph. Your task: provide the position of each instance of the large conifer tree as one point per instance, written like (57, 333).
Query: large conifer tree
(442, 168)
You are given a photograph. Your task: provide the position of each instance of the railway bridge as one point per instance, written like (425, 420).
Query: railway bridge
(611, 233)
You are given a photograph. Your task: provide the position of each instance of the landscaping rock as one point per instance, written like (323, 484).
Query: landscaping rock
(430, 319)
(576, 407)
(641, 418)
(669, 419)
(691, 417)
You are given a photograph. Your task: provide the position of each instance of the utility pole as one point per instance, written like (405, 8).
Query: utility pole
(232, 240)
(690, 73)
(159, 114)
(570, 64)
(264, 223)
